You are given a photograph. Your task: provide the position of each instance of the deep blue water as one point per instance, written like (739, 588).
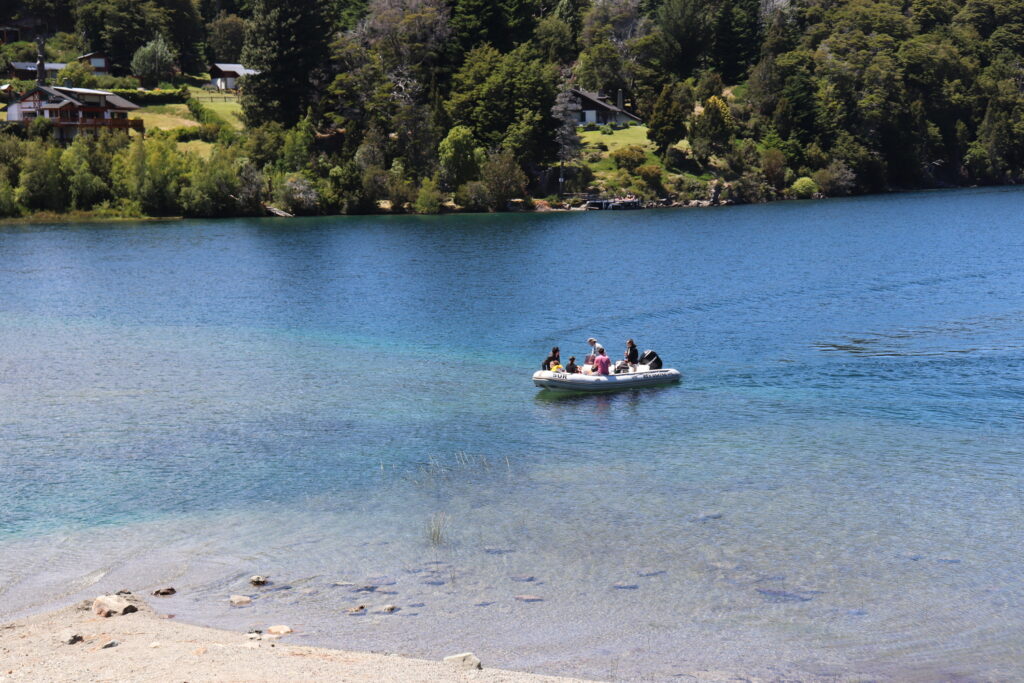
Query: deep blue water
(834, 489)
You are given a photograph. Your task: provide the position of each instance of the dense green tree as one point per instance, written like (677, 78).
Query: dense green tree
(150, 171)
(41, 185)
(506, 101)
(666, 124)
(120, 27)
(456, 156)
(85, 186)
(286, 43)
(153, 62)
(503, 179)
(225, 37)
(712, 128)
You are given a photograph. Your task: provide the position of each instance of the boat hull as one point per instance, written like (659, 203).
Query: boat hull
(563, 381)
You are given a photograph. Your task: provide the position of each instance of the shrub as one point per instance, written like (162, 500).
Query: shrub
(803, 188)
(629, 157)
(650, 174)
(428, 199)
(836, 179)
(153, 62)
(606, 129)
(473, 196)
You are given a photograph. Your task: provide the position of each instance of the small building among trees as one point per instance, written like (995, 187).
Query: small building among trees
(225, 76)
(596, 107)
(26, 71)
(74, 111)
(97, 60)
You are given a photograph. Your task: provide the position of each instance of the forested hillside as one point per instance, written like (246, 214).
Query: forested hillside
(362, 106)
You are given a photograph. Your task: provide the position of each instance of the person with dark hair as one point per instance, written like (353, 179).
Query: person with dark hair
(632, 354)
(553, 359)
(571, 367)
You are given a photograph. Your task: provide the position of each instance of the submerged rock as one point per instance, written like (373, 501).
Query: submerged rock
(279, 630)
(529, 598)
(240, 600)
(259, 580)
(164, 591)
(623, 586)
(466, 660)
(358, 609)
(644, 573)
(110, 605)
(523, 578)
(389, 609)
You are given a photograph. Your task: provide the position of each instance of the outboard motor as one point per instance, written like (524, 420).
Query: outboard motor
(651, 360)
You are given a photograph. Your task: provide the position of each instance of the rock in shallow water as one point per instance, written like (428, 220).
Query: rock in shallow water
(240, 600)
(258, 580)
(110, 605)
(529, 598)
(466, 660)
(279, 630)
(164, 591)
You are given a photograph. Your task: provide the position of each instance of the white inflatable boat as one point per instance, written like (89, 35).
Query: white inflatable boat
(641, 377)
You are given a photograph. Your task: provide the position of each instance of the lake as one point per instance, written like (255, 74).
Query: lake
(835, 490)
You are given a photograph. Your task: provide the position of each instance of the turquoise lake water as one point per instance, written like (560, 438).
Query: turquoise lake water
(835, 490)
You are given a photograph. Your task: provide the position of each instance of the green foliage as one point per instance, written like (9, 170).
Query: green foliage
(503, 179)
(835, 180)
(85, 185)
(629, 157)
(153, 62)
(456, 157)
(8, 200)
(150, 171)
(803, 188)
(506, 100)
(78, 74)
(211, 185)
(286, 42)
(41, 184)
(225, 37)
(712, 128)
(666, 124)
(428, 199)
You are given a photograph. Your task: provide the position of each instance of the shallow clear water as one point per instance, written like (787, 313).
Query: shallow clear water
(835, 489)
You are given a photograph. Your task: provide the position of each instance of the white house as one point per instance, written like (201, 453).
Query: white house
(225, 76)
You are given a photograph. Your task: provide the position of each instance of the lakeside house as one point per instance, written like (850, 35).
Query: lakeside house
(74, 111)
(596, 107)
(27, 71)
(97, 60)
(225, 76)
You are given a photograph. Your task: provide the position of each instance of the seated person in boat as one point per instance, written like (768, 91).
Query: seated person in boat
(571, 367)
(602, 362)
(632, 354)
(553, 359)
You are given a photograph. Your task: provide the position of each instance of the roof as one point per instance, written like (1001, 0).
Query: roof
(31, 66)
(65, 96)
(90, 54)
(233, 68)
(600, 102)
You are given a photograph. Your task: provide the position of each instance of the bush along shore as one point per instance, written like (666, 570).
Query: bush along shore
(366, 106)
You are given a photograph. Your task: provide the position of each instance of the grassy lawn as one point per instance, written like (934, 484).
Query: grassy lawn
(165, 116)
(197, 147)
(633, 135)
(226, 105)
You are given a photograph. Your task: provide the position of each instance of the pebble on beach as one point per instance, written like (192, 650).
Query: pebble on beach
(388, 609)
(466, 660)
(358, 609)
(259, 580)
(240, 600)
(279, 630)
(164, 591)
(109, 644)
(70, 638)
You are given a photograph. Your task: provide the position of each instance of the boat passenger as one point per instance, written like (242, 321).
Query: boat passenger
(556, 366)
(551, 360)
(632, 354)
(594, 346)
(571, 367)
(602, 362)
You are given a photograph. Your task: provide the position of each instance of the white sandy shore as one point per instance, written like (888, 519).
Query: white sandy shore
(151, 647)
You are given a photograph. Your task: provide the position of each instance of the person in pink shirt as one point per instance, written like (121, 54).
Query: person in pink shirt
(602, 362)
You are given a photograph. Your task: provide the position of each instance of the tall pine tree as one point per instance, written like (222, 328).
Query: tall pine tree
(286, 41)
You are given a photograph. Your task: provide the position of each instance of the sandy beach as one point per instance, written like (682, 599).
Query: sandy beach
(74, 644)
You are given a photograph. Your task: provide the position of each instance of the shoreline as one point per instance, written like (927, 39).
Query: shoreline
(74, 643)
(42, 218)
